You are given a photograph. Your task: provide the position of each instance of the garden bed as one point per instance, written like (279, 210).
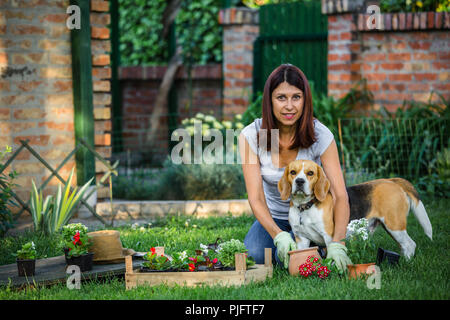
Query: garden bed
(240, 276)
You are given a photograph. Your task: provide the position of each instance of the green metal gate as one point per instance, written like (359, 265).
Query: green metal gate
(293, 33)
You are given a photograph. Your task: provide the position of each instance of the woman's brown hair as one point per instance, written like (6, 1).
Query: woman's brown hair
(304, 133)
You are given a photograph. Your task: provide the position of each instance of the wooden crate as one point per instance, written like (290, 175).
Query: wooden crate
(240, 276)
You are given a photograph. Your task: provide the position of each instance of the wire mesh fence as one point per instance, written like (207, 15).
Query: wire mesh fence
(383, 148)
(369, 148)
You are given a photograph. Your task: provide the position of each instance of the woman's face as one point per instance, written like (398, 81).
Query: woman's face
(287, 102)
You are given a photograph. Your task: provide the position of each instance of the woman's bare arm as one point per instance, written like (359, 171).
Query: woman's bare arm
(253, 183)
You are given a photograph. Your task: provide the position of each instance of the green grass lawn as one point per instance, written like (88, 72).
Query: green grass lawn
(426, 276)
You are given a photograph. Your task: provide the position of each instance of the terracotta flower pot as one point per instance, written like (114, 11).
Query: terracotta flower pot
(356, 271)
(26, 267)
(299, 257)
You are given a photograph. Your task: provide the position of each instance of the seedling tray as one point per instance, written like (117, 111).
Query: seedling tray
(240, 276)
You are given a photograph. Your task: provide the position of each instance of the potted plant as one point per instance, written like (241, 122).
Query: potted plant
(155, 262)
(359, 245)
(76, 245)
(26, 259)
(226, 253)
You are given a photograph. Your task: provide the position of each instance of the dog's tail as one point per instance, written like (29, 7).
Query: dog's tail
(416, 205)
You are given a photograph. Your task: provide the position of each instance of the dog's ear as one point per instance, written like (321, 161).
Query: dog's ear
(284, 186)
(322, 185)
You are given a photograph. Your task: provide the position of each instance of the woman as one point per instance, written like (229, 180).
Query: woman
(287, 106)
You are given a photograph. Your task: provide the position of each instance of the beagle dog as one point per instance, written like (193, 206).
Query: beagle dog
(383, 201)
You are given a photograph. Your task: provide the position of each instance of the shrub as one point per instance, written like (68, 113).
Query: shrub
(414, 5)
(211, 181)
(7, 183)
(183, 182)
(197, 30)
(405, 143)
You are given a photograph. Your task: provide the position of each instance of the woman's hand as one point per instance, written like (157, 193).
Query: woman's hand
(338, 252)
(284, 243)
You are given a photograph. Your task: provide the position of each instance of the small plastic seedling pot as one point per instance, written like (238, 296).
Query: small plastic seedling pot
(391, 256)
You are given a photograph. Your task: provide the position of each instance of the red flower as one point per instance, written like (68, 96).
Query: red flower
(191, 267)
(76, 238)
(323, 272)
(305, 270)
(215, 261)
(193, 259)
(153, 250)
(313, 267)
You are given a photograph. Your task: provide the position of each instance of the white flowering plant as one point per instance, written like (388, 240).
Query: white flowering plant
(359, 241)
(209, 122)
(207, 126)
(27, 252)
(226, 252)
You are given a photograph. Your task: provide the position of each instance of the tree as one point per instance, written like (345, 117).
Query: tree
(175, 62)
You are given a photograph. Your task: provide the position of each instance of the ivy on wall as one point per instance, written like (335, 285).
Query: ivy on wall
(197, 31)
(415, 5)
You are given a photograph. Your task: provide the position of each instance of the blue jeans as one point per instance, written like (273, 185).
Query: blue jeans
(258, 238)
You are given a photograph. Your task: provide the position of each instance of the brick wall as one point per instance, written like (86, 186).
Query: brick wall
(139, 89)
(240, 29)
(36, 94)
(405, 60)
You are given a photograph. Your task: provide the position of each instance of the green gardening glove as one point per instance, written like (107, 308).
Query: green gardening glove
(338, 252)
(284, 243)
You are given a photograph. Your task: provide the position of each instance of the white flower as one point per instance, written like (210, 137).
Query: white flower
(183, 255)
(194, 226)
(227, 124)
(206, 133)
(200, 116)
(142, 229)
(238, 117)
(186, 224)
(204, 248)
(134, 226)
(239, 125)
(217, 125)
(32, 245)
(358, 228)
(190, 130)
(210, 119)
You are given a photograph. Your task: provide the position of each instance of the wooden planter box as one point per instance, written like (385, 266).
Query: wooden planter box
(240, 276)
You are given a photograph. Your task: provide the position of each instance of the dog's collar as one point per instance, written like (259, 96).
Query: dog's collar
(305, 206)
